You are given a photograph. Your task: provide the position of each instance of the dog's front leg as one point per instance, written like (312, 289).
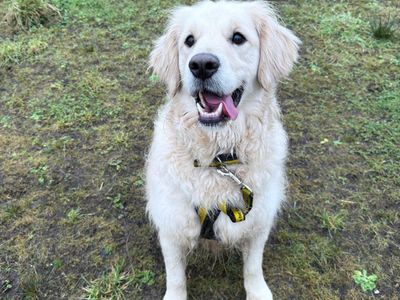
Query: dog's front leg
(254, 283)
(175, 265)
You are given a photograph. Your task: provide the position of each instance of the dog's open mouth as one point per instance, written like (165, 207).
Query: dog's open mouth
(214, 108)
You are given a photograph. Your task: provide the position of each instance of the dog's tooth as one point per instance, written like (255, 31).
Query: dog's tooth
(199, 108)
(219, 110)
(201, 96)
(202, 99)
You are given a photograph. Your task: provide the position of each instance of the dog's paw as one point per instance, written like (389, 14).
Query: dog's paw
(260, 293)
(265, 295)
(175, 295)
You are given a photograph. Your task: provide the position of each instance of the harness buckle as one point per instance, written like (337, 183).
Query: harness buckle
(224, 171)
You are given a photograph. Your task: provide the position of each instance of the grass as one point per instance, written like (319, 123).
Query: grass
(15, 52)
(114, 284)
(383, 27)
(116, 201)
(73, 215)
(40, 172)
(76, 113)
(333, 222)
(24, 14)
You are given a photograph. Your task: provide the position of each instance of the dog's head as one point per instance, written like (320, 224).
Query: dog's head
(219, 53)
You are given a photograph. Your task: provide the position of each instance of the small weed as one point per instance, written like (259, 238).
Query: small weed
(138, 181)
(365, 281)
(108, 249)
(29, 285)
(337, 143)
(24, 14)
(5, 286)
(57, 263)
(324, 141)
(121, 138)
(109, 286)
(73, 215)
(116, 163)
(36, 116)
(40, 172)
(116, 201)
(145, 277)
(315, 68)
(154, 78)
(125, 45)
(383, 27)
(5, 121)
(333, 222)
(11, 211)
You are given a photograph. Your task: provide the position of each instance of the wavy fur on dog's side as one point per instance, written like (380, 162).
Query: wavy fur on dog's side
(174, 187)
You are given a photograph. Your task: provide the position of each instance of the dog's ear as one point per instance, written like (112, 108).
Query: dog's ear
(164, 59)
(278, 46)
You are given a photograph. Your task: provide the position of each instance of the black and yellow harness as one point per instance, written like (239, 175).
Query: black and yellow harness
(208, 218)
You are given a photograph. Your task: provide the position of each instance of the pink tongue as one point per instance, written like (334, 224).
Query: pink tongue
(228, 107)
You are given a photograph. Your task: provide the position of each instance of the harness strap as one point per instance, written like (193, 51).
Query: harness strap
(221, 159)
(208, 218)
(207, 221)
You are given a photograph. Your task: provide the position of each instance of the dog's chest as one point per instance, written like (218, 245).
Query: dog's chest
(208, 187)
(203, 184)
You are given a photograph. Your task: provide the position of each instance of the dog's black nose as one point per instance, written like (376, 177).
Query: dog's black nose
(204, 65)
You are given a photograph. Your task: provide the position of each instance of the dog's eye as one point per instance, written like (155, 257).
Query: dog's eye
(238, 38)
(189, 41)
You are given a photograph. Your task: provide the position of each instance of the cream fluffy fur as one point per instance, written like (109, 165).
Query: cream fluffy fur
(174, 186)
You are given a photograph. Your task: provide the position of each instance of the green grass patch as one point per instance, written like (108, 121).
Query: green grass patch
(70, 111)
(343, 26)
(73, 215)
(115, 283)
(333, 222)
(14, 52)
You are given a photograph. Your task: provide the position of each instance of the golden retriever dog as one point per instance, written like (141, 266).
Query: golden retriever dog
(215, 168)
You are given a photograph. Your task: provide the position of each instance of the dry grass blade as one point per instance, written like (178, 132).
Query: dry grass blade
(24, 14)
